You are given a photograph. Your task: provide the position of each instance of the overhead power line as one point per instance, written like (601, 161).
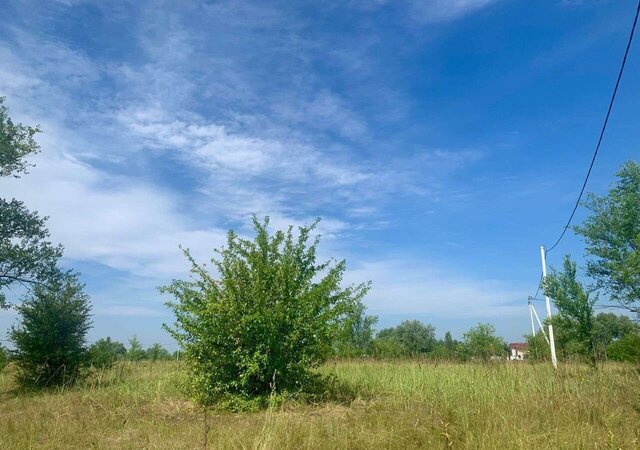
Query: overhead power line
(535, 296)
(602, 131)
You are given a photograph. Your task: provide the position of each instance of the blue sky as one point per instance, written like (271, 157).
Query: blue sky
(442, 142)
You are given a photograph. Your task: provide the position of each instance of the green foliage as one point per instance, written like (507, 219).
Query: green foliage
(626, 349)
(156, 353)
(270, 318)
(575, 308)
(387, 348)
(440, 351)
(135, 351)
(612, 235)
(537, 347)
(356, 336)
(608, 328)
(568, 345)
(4, 358)
(16, 142)
(447, 348)
(104, 352)
(482, 343)
(414, 336)
(50, 338)
(26, 255)
(450, 343)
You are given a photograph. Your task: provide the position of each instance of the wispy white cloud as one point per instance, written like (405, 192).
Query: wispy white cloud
(120, 222)
(444, 10)
(425, 288)
(221, 151)
(428, 11)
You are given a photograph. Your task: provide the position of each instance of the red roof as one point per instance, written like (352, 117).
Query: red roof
(518, 345)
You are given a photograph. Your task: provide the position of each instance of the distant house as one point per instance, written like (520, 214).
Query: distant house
(517, 351)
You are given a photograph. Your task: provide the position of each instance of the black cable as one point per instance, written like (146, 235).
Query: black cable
(604, 127)
(535, 296)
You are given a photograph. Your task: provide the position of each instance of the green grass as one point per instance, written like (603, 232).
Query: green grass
(392, 405)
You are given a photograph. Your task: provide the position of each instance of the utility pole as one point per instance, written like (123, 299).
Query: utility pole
(552, 343)
(533, 327)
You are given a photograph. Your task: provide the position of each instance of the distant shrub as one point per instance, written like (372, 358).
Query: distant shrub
(51, 336)
(414, 336)
(135, 351)
(626, 348)
(104, 352)
(387, 348)
(270, 318)
(481, 342)
(440, 351)
(156, 352)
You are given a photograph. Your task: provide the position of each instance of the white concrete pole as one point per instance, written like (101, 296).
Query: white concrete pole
(552, 343)
(540, 323)
(533, 327)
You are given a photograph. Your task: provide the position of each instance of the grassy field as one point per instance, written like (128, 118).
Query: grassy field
(393, 405)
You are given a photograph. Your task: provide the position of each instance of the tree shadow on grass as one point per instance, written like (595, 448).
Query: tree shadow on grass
(319, 390)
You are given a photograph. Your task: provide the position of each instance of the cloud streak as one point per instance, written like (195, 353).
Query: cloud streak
(418, 287)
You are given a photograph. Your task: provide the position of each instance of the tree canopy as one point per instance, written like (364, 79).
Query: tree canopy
(482, 343)
(612, 236)
(27, 256)
(16, 142)
(50, 338)
(356, 336)
(104, 352)
(575, 307)
(414, 336)
(266, 319)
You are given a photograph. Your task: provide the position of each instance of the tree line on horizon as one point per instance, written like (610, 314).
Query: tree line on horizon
(415, 339)
(271, 313)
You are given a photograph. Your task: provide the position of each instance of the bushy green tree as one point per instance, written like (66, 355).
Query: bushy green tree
(414, 336)
(568, 344)
(447, 348)
(450, 343)
(481, 342)
(105, 352)
(537, 347)
(575, 306)
(612, 235)
(157, 352)
(609, 327)
(269, 317)
(50, 339)
(356, 336)
(387, 348)
(440, 351)
(135, 351)
(626, 348)
(27, 257)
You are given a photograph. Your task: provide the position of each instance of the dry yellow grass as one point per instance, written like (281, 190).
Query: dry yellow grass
(400, 405)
